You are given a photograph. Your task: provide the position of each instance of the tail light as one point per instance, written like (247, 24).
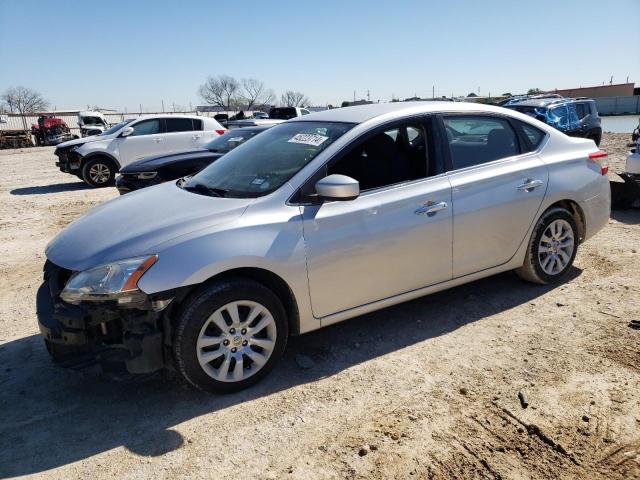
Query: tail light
(601, 158)
(220, 132)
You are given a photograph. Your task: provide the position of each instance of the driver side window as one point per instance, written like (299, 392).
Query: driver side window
(398, 154)
(146, 127)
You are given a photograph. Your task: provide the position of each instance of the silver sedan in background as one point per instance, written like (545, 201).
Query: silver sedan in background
(317, 220)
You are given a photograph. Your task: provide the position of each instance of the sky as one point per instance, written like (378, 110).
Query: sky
(123, 54)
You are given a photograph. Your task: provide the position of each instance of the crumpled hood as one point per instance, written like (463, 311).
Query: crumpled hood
(83, 140)
(150, 163)
(133, 224)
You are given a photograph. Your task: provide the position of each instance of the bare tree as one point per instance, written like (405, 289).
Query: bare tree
(293, 99)
(24, 101)
(254, 93)
(221, 91)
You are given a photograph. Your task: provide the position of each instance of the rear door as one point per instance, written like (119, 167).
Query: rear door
(180, 135)
(146, 140)
(498, 184)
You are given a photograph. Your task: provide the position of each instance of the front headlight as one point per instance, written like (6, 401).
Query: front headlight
(113, 281)
(147, 175)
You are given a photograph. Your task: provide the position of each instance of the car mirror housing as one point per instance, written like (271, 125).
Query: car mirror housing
(338, 187)
(126, 131)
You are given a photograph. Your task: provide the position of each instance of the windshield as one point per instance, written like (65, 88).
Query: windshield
(92, 120)
(230, 140)
(115, 128)
(269, 160)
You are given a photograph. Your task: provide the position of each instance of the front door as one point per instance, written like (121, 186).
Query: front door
(497, 188)
(394, 238)
(145, 141)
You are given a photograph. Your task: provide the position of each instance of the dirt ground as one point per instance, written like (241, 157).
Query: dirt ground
(427, 389)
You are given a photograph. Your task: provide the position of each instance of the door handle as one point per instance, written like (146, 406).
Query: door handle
(195, 137)
(157, 140)
(529, 185)
(431, 208)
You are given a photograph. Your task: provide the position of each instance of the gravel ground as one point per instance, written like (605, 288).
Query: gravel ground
(427, 389)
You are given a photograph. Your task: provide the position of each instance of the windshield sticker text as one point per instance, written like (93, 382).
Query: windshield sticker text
(308, 139)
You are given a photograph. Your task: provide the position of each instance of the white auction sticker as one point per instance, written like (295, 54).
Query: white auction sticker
(308, 139)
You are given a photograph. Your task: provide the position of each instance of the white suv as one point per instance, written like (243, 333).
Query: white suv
(96, 159)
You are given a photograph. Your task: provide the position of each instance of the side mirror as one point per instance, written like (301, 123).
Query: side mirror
(338, 187)
(126, 131)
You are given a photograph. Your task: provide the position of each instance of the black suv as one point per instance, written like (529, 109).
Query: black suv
(577, 117)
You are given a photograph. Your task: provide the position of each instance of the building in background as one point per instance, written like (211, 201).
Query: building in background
(615, 90)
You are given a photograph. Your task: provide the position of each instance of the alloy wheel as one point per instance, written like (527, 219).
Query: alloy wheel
(99, 173)
(236, 341)
(556, 246)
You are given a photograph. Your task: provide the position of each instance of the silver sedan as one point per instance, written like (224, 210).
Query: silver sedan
(317, 220)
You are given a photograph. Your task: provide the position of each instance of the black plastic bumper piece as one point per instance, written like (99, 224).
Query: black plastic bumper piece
(105, 334)
(60, 325)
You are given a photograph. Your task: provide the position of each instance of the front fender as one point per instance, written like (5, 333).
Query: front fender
(272, 242)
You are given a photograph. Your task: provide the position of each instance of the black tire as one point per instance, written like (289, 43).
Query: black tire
(197, 311)
(532, 269)
(107, 170)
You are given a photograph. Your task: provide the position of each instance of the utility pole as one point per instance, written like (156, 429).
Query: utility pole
(354, 96)
(174, 107)
(611, 81)
(368, 96)
(140, 108)
(162, 106)
(433, 92)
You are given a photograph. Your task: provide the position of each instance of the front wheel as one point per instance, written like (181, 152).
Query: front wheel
(99, 172)
(552, 248)
(230, 335)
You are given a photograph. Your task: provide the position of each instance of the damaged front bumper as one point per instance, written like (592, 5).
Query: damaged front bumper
(69, 160)
(103, 333)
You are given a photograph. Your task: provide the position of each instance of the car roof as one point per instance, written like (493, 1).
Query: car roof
(362, 113)
(169, 115)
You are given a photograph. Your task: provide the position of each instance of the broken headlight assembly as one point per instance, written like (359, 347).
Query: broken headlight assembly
(116, 281)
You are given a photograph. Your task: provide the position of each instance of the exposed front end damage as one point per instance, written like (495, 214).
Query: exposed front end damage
(69, 161)
(105, 333)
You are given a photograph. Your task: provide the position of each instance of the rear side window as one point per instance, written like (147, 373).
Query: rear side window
(474, 140)
(582, 110)
(197, 124)
(179, 125)
(146, 127)
(534, 136)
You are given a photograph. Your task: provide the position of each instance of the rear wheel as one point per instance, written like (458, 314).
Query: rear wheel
(230, 335)
(99, 172)
(552, 248)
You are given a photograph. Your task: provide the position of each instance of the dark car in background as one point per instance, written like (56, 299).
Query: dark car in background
(577, 117)
(159, 169)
